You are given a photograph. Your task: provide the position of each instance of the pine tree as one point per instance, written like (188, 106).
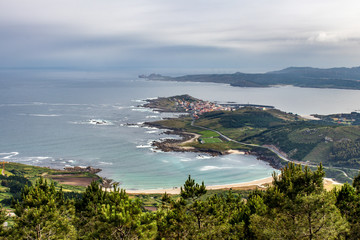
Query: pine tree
(299, 208)
(192, 190)
(43, 213)
(348, 201)
(112, 215)
(3, 218)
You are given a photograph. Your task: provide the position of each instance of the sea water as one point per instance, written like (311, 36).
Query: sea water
(60, 122)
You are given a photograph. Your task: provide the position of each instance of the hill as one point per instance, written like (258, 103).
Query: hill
(256, 130)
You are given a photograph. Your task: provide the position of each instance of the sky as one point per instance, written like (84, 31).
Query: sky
(169, 36)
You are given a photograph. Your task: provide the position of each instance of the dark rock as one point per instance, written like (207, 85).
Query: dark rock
(83, 169)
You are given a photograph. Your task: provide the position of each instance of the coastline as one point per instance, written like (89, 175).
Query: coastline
(176, 190)
(262, 183)
(178, 145)
(175, 145)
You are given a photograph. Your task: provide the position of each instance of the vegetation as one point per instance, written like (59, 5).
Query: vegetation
(210, 140)
(208, 134)
(18, 176)
(253, 118)
(334, 144)
(295, 206)
(352, 118)
(346, 153)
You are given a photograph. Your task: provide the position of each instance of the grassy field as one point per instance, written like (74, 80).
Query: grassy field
(68, 181)
(211, 140)
(208, 134)
(319, 154)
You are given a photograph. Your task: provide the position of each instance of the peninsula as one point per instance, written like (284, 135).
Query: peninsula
(273, 135)
(339, 78)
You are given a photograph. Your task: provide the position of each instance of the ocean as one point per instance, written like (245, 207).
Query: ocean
(50, 119)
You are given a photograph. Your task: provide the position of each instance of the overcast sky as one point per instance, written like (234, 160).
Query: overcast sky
(206, 35)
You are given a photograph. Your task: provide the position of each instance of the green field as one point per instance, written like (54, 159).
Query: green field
(208, 134)
(211, 140)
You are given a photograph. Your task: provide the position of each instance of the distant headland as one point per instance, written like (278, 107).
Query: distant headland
(338, 78)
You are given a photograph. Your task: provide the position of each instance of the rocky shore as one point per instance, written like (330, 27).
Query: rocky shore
(174, 145)
(156, 104)
(273, 161)
(82, 169)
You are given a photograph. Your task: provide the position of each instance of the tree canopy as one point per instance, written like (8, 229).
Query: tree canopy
(295, 206)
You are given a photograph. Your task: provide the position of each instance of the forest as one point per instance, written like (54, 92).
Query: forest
(295, 206)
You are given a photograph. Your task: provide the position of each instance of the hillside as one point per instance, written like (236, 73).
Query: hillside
(340, 78)
(17, 175)
(333, 143)
(295, 206)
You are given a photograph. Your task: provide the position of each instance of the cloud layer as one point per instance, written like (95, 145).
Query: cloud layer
(247, 35)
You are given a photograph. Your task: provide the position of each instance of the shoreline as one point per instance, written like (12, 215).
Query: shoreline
(262, 183)
(176, 190)
(172, 145)
(176, 145)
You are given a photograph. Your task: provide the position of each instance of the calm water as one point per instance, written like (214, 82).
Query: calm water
(46, 122)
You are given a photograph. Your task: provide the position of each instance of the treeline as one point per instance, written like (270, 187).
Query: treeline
(16, 184)
(296, 206)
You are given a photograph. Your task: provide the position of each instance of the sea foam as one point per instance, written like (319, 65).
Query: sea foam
(9, 155)
(209, 168)
(45, 115)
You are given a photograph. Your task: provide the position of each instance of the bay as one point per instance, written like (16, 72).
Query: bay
(50, 122)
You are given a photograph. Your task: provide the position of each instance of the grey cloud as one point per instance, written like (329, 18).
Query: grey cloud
(188, 34)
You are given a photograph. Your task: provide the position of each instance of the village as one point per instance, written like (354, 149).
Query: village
(200, 107)
(352, 118)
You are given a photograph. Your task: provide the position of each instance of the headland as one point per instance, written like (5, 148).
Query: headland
(272, 135)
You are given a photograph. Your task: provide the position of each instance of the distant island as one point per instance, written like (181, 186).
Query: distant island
(339, 78)
(272, 135)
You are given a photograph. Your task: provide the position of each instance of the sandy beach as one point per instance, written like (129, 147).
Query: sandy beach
(232, 151)
(251, 185)
(261, 183)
